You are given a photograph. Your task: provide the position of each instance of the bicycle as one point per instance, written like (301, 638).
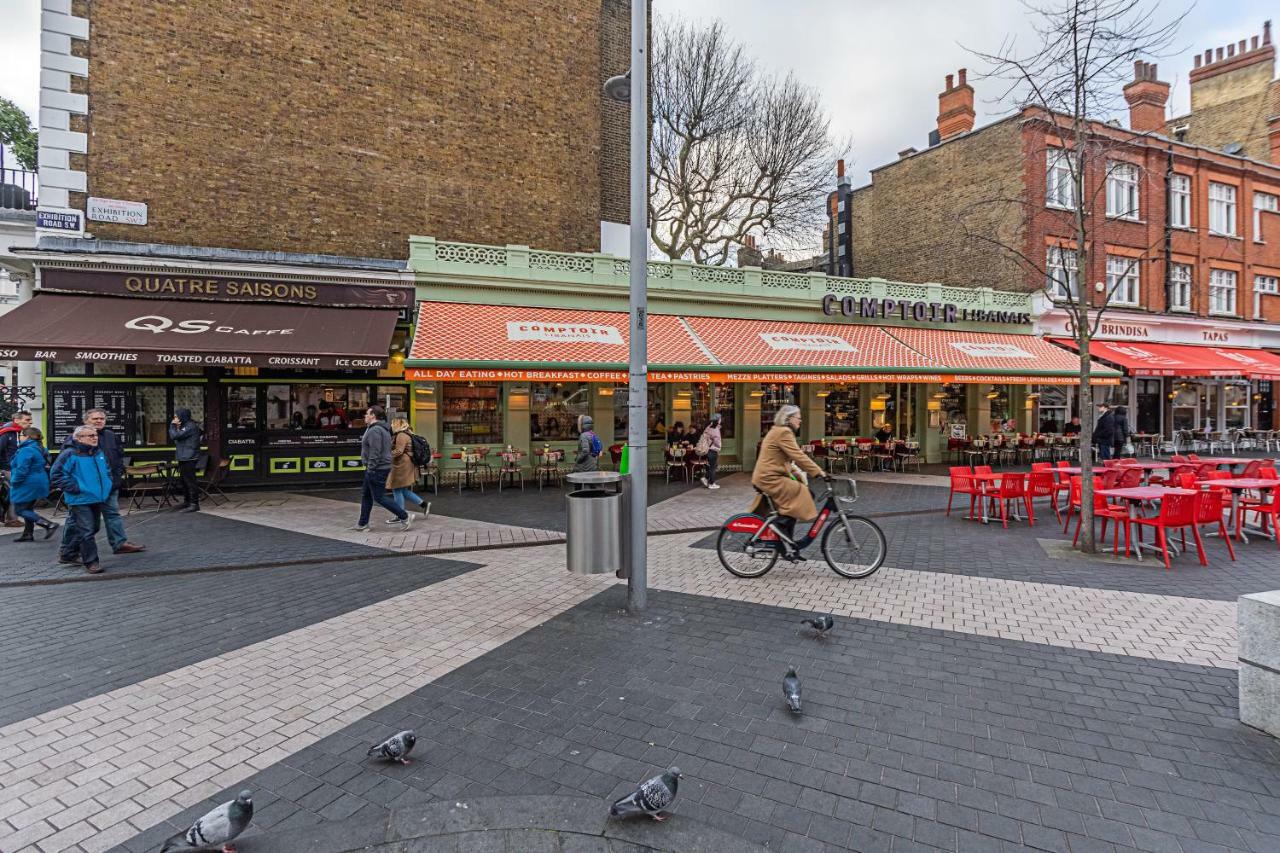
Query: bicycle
(853, 545)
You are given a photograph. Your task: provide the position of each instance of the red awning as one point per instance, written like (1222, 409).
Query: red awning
(993, 356)
(1183, 359)
(835, 347)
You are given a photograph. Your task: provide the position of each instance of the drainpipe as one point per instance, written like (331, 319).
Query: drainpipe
(1168, 232)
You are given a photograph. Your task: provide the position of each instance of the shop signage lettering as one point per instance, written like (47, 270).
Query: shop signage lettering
(159, 324)
(1113, 329)
(198, 359)
(991, 350)
(219, 288)
(808, 343)
(563, 333)
(1217, 337)
(922, 312)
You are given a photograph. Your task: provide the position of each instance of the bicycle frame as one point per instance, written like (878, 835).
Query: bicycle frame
(766, 530)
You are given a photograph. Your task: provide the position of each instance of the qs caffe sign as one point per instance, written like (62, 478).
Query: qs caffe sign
(203, 285)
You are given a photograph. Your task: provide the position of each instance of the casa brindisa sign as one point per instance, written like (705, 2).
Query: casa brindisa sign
(212, 287)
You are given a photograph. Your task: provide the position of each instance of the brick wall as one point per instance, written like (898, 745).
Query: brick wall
(343, 128)
(1231, 100)
(615, 118)
(911, 223)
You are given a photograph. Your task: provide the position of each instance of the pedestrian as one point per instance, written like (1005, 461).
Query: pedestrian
(30, 483)
(8, 449)
(84, 475)
(109, 443)
(185, 435)
(1123, 431)
(588, 458)
(1104, 431)
(404, 473)
(709, 444)
(375, 455)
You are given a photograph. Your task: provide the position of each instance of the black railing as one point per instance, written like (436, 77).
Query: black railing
(17, 186)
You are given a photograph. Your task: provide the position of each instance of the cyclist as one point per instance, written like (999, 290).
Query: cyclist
(779, 453)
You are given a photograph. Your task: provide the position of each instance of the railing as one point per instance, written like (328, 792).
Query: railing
(427, 255)
(17, 187)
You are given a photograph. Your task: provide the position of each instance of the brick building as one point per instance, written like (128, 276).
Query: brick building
(1189, 239)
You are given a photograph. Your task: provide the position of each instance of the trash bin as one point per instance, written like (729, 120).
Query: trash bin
(597, 520)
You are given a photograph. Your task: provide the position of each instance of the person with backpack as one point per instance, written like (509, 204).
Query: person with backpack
(409, 454)
(30, 483)
(709, 444)
(185, 435)
(589, 447)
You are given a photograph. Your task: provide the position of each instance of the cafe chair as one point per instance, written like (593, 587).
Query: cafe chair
(838, 454)
(1101, 510)
(210, 482)
(146, 481)
(909, 454)
(1177, 512)
(1209, 510)
(510, 471)
(1013, 487)
(431, 472)
(1266, 505)
(962, 484)
(675, 462)
(1040, 484)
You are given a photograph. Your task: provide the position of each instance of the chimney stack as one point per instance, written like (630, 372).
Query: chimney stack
(842, 180)
(1256, 55)
(1147, 97)
(955, 107)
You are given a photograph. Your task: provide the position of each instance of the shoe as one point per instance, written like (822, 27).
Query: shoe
(68, 561)
(714, 486)
(392, 520)
(49, 529)
(360, 528)
(25, 537)
(130, 548)
(94, 568)
(15, 523)
(426, 509)
(191, 508)
(703, 481)
(408, 519)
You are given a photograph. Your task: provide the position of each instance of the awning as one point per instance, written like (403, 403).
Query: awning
(57, 327)
(1183, 359)
(996, 357)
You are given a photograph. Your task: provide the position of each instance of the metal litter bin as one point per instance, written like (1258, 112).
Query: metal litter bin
(597, 519)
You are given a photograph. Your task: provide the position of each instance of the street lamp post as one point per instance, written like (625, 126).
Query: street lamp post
(633, 87)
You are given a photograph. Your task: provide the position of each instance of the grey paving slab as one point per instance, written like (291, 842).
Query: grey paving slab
(67, 642)
(912, 738)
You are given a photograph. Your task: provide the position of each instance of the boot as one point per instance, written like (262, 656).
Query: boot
(48, 527)
(191, 508)
(26, 533)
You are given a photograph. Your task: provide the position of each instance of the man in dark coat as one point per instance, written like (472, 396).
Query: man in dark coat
(109, 444)
(1122, 431)
(1104, 431)
(185, 435)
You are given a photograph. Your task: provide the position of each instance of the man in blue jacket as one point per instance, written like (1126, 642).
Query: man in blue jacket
(109, 444)
(84, 476)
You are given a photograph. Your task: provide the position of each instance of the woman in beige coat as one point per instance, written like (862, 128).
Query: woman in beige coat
(772, 475)
(403, 472)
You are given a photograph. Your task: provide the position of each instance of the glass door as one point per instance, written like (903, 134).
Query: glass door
(1150, 410)
(1186, 406)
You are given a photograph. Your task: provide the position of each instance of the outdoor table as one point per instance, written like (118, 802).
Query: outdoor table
(1220, 461)
(1145, 440)
(1148, 467)
(994, 477)
(1237, 486)
(1135, 497)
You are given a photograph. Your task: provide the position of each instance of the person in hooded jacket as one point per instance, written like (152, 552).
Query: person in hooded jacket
(375, 454)
(185, 435)
(84, 475)
(9, 434)
(30, 483)
(587, 459)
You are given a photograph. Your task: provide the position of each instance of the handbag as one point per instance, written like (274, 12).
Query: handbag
(1128, 449)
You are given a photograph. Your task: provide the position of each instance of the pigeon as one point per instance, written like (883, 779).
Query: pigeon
(791, 689)
(651, 797)
(821, 624)
(396, 748)
(218, 827)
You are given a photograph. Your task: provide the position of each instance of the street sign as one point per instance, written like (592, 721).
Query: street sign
(116, 210)
(59, 219)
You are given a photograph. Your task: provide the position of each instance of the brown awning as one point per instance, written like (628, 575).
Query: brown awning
(56, 327)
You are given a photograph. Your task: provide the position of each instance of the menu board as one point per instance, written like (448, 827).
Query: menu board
(69, 403)
(115, 402)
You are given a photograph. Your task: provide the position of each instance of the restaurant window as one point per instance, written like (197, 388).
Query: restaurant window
(1209, 406)
(1059, 189)
(1122, 280)
(1180, 287)
(151, 415)
(841, 408)
(709, 398)
(998, 398)
(621, 399)
(1180, 201)
(1122, 190)
(472, 413)
(1222, 292)
(1150, 403)
(110, 368)
(1263, 285)
(240, 407)
(66, 368)
(952, 400)
(190, 397)
(775, 396)
(657, 412)
(1235, 401)
(1053, 407)
(1222, 209)
(394, 399)
(1064, 275)
(1262, 202)
(1185, 405)
(554, 408)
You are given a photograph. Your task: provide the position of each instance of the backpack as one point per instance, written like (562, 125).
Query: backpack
(703, 447)
(419, 450)
(596, 447)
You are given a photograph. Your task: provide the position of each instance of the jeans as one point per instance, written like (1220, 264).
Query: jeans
(1104, 450)
(405, 493)
(88, 518)
(110, 511)
(190, 490)
(374, 490)
(713, 459)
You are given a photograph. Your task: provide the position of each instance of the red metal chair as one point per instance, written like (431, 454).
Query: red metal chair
(1266, 506)
(1101, 510)
(1177, 512)
(982, 469)
(1041, 484)
(1209, 511)
(1013, 487)
(962, 484)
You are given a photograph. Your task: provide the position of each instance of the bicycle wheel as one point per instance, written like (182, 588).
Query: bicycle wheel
(856, 557)
(731, 547)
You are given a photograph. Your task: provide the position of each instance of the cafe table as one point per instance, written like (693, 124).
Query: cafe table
(1219, 461)
(1137, 496)
(1236, 486)
(993, 477)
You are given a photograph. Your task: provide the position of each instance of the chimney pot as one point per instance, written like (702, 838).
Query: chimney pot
(1219, 54)
(840, 168)
(1208, 56)
(1242, 44)
(1152, 71)
(964, 73)
(950, 85)
(1253, 45)
(1197, 60)
(955, 107)
(1266, 32)
(1137, 69)
(1231, 50)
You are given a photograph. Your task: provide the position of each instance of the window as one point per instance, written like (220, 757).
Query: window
(841, 405)
(1261, 202)
(1052, 404)
(1263, 285)
(776, 395)
(240, 407)
(1064, 277)
(554, 408)
(1222, 292)
(1186, 406)
(1222, 209)
(1122, 280)
(657, 409)
(1180, 201)
(1059, 190)
(1122, 190)
(1179, 287)
(152, 413)
(711, 398)
(472, 413)
(1235, 401)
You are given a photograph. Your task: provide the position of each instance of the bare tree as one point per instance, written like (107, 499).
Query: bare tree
(1070, 78)
(734, 151)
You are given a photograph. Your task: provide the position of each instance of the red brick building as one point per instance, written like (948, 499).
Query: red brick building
(1187, 236)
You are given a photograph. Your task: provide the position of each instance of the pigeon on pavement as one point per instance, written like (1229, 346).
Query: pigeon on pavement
(821, 624)
(396, 748)
(791, 689)
(651, 797)
(216, 828)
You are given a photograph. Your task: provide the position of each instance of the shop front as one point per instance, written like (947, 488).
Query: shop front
(278, 368)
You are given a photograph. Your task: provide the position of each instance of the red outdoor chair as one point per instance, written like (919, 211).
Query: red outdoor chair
(982, 469)
(1209, 511)
(1177, 512)
(1251, 469)
(1013, 487)
(1101, 510)
(1268, 511)
(962, 484)
(1040, 484)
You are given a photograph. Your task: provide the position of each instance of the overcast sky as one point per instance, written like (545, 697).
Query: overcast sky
(879, 64)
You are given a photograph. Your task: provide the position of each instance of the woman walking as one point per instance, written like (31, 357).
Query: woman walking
(403, 472)
(30, 483)
(709, 443)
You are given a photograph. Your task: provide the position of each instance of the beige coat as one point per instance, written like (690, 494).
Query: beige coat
(773, 476)
(403, 472)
